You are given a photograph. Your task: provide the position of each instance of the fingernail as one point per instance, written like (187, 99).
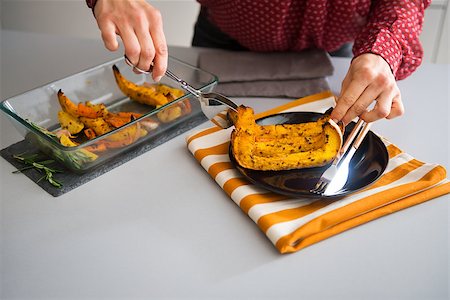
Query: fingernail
(157, 79)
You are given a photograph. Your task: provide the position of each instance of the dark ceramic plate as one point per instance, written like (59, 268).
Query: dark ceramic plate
(366, 166)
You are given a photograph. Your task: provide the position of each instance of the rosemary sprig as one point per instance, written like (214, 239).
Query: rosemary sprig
(31, 160)
(43, 130)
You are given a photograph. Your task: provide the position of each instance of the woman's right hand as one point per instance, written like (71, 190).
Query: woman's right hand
(140, 27)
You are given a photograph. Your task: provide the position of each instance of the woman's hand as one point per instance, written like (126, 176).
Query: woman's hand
(368, 79)
(140, 27)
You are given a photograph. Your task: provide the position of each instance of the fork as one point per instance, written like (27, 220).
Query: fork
(213, 105)
(342, 160)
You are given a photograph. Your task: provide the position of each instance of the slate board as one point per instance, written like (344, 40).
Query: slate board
(73, 180)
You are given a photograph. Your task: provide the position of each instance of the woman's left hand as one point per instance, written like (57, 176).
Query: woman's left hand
(368, 79)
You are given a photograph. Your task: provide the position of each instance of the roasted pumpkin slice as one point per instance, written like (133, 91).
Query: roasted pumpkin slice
(145, 94)
(99, 110)
(128, 135)
(169, 114)
(80, 110)
(283, 146)
(99, 125)
(121, 118)
(169, 92)
(70, 122)
(66, 141)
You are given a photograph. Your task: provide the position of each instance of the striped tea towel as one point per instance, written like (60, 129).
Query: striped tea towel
(292, 224)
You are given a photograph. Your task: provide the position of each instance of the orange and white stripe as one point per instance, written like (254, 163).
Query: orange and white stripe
(292, 224)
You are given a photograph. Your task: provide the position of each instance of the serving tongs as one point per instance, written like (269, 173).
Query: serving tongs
(335, 176)
(214, 106)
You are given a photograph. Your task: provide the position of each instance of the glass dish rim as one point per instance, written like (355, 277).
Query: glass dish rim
(10, 112)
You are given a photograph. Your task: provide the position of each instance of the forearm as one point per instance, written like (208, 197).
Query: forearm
(393, 32)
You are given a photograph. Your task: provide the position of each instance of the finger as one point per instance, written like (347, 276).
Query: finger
(344, 86)
(347, 98)
(109, 37)
(397, 108)
(147, 53)
(345, 83)
(131, 44)
(362, 103)
(160, 44)
(381, 109)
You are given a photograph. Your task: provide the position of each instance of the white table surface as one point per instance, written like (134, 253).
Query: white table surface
(158, 227)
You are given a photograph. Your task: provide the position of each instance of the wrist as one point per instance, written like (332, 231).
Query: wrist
(383, 44)
(374, 59)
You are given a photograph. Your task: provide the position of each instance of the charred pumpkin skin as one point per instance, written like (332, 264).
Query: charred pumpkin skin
(283, 147)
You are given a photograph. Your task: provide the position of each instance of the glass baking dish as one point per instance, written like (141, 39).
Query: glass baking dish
(38, 108)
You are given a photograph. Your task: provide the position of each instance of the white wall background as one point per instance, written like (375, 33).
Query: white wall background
(73, 18)
(435, 32)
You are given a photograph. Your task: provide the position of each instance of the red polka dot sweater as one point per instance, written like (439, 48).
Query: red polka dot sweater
(389, 28)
